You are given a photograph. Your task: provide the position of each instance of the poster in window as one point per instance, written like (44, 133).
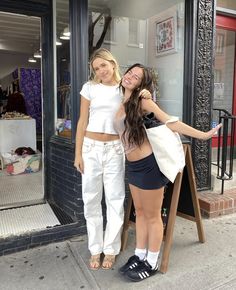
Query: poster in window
(166, 40)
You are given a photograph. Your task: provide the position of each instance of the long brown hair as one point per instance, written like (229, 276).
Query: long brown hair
(134, 131)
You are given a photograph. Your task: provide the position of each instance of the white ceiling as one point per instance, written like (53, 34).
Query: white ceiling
(19, 33)
(20, 37)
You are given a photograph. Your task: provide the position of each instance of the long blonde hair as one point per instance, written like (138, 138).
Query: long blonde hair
(106, 55)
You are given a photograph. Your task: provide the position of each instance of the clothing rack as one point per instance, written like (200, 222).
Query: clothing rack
(63, 101)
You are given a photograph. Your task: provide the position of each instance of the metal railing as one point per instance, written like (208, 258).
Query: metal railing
(225, 150)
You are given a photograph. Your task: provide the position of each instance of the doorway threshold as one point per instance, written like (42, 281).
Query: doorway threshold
(22, 220)
(20, 189)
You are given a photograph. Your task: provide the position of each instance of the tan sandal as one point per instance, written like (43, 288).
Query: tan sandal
(108, 262)
(95, 262)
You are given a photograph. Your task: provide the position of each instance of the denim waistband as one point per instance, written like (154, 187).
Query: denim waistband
(101, 143)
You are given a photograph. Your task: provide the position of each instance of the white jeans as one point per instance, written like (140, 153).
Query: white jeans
(103, 168)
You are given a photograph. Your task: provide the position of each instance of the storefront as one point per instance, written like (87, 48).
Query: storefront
(174, 38)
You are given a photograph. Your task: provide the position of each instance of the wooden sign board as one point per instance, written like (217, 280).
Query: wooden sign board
(180, 199)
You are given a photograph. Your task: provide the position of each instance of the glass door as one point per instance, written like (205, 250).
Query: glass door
(224, 69)
(21, 149)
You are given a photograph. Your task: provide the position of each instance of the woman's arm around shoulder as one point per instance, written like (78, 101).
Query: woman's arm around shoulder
(148, 105)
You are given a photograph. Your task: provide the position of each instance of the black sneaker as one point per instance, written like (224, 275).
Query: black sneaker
(141, 272)
(131, 264)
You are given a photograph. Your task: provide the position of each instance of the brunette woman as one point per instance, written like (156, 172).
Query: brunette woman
(146, 181)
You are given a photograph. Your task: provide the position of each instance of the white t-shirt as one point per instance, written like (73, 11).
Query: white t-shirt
(104, 103)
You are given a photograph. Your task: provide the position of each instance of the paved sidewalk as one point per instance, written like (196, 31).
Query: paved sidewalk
(192, 265)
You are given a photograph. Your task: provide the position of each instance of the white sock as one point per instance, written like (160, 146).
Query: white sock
(152, 258)
(141, 253)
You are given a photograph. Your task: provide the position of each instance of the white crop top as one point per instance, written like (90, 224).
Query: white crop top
(104, 103)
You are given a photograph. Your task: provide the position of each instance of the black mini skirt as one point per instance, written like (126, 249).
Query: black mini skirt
(145, 173)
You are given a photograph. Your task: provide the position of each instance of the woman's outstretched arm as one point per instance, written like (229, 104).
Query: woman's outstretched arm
(178, 126)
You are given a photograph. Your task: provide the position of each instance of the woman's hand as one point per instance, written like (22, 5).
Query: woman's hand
(212, 132)
(145, 94)
(79, 164)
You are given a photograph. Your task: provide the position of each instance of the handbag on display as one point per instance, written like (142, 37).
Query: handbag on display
(166, 145)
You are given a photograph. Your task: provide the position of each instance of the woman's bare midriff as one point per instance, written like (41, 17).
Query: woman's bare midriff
(101, 136)
(140, 152)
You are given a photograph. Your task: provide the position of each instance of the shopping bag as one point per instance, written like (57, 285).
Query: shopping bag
(166, 145)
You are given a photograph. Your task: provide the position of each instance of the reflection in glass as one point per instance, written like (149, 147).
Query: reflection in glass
(224, 66)
(63, 35)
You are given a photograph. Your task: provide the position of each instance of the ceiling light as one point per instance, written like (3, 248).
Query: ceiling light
(37, 54)
(58, 42)
(31, 59)
(64, 37)
(66, 31)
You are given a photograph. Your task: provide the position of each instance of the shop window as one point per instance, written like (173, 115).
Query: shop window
(148, 32)
(224, 70)
(62, 65)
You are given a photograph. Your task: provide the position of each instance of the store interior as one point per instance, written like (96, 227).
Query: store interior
(22, 198)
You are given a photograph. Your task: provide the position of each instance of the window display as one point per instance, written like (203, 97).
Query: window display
(150, 33)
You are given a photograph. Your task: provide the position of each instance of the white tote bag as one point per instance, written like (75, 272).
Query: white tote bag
(167, 148)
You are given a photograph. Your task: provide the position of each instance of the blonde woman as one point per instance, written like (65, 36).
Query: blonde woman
(99, 158)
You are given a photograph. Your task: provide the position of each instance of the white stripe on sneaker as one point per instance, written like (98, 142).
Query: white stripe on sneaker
(140, 275)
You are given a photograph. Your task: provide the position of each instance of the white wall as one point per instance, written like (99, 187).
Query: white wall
(126, 53)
